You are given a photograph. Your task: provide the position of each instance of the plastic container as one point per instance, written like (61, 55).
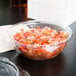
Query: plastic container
(7, 68)
(40, 52)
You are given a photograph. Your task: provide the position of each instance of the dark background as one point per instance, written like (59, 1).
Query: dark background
(11, 15)
(62, 65)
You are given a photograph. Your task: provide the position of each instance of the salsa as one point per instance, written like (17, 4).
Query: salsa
(40, 43)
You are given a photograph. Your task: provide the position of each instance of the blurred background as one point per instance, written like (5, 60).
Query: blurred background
(11, 15)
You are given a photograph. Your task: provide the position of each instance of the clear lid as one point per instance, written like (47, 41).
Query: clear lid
(7, 68)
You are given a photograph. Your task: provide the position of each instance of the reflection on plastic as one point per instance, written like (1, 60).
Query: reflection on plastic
(8, 68)
(23, 72)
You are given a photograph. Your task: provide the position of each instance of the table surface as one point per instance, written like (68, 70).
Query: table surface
(62, 65)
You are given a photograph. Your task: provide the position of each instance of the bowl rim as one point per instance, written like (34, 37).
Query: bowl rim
(9, 62)
(30, 22)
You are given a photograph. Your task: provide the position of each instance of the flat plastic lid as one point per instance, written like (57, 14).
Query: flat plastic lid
(7, 68)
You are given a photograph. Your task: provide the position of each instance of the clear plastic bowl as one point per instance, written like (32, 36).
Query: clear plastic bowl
(7, 68)
(40, 52)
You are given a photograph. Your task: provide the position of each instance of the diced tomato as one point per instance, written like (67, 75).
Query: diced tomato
(26, 34)
(37, 28)
(22, 41)
(62, 34)
(62, 39)
(22, 30)
(32, 30)
(53, 53)
(50, 41)
(37, 36)
(20, 48)
(51, 30)
(38, 51)
(26, 42)
(17, 36)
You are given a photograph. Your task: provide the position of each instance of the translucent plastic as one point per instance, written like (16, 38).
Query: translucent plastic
(7, 68)
(40, 52)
